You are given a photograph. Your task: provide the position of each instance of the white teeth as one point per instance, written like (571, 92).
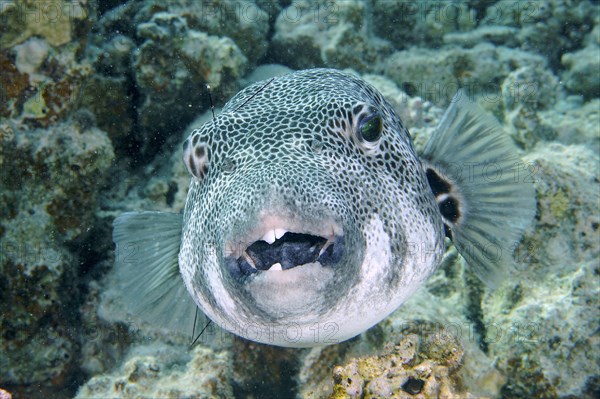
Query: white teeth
(269, 237)
(276, 267)
(330, 240)
(249, 260)
(273, 235)
(327, 245)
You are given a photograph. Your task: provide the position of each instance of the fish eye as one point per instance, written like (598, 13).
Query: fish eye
(370, 128)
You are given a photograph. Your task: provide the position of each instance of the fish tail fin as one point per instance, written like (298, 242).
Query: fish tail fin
(146, 271)
(473, 169)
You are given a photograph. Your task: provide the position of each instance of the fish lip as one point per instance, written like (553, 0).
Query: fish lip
(271, 227)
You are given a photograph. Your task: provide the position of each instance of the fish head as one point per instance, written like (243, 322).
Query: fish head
(309, 218)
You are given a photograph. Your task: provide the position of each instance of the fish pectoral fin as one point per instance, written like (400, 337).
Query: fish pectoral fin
(471, 165)
(146, 272)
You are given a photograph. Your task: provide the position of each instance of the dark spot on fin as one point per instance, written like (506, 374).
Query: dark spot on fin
(449, 208)
(437, 184)
(447, 198)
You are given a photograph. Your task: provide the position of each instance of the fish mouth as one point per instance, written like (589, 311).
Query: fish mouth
(280, 243)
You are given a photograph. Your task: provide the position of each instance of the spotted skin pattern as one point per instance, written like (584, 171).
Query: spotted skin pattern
(294, 153)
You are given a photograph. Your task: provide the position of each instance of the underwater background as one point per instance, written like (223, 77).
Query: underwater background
(96, 98)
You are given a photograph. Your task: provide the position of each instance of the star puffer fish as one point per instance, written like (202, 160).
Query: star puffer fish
(310, 217)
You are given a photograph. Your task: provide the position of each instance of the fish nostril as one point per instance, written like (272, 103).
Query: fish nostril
(316, 146)
(228, 166)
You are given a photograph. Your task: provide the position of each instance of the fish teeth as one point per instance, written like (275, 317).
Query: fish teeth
(272, 235)
(276, 267)
(328, 243)
(248, 259)
(269, 237)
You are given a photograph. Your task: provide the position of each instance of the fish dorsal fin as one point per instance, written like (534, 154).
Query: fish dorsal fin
(473, 169)
(146, 271)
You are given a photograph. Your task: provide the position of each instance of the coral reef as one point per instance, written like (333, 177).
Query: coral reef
(55, 21)
(313, 34)
(245, 22)
(53, 161)
(548, 317)
(567, 232)
(551, 334)
(423, 23)
(165, 372)
(40, 84)
(562, 23)
(152, 62)
(581, 77)
(49, 202)
(172, 59)
(263, 370)
(574, 121)
(436, 75)
(418, 361)
(525, 92)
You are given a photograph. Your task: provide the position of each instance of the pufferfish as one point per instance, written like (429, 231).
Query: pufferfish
(310, 217)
